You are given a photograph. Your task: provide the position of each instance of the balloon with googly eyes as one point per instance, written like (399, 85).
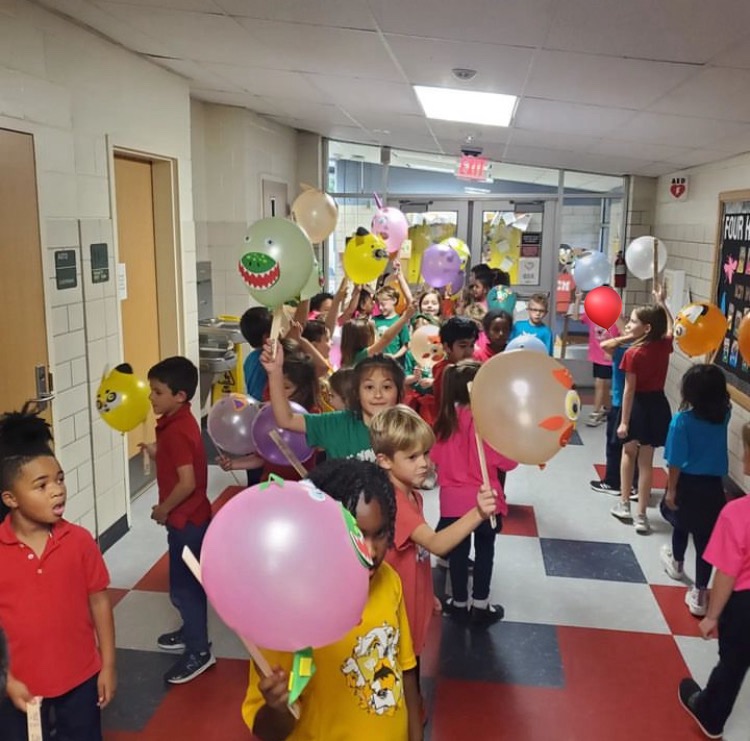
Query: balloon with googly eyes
(278, 261)
(365, 257)
(122, 398)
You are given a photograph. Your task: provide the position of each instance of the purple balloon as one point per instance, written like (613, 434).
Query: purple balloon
(230, 421)
(441, 266)
(266, 448)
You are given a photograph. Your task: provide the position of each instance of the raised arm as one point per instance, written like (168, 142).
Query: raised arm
(390, 334)
(402, 284)
(660, 296)
(282, 411)
(348, 312)
(338, 299)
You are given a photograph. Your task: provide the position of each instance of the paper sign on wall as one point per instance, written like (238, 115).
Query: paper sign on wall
(122, 281)
(528, 271)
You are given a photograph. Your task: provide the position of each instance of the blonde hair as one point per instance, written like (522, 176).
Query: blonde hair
(541, 299)
(387, 292)
(399, 428)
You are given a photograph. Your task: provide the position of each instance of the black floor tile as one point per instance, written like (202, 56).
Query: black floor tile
(582, 559)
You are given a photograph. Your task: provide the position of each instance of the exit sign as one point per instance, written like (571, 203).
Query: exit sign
(473, 168)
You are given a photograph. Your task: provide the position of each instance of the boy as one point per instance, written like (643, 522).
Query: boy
(364, 686)
(728, 614)
(458, 335)
(387, 298)
(537, 309)
(255, 326)
(181, 476)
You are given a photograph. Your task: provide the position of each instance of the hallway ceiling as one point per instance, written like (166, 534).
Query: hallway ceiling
(644, 87)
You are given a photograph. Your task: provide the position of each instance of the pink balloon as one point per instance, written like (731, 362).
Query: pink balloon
(335, 356)
(280, 567)
(391, 226)
(266, 448)
(230, 421)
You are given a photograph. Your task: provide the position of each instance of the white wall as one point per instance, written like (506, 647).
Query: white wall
(80, 96)
(689, 231)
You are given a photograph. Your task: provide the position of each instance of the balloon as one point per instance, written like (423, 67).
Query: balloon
(365, 257)
(639, 257)
(591, 271)
(699, 328)
(460, 248)
(334, 357)
(501, 298)
(316, 212)
(266, 448)
(528, 342)
(312, 286)
(122, 399)
(230, 421)
(426, 347)
(524, 405)
(279, 262)
(743, 339)
(603, 306)
(441, 266)
(285, 566)
(393, 283)
(392, 227)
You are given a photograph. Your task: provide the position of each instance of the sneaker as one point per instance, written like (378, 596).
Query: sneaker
(697, 601)
(450, 609)
(487, 615)
(596, 418)
(189, 666)
(604, 488)
(687, 693)
(633, 494)
(622, 511)
(171, 641)
(642, 525)
(673, 568)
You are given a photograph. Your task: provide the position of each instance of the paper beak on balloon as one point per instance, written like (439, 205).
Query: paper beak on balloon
(259, 271)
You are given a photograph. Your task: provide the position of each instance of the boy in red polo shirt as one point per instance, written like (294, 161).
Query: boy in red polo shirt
(181, 476)
(54, 605)
(458, 335)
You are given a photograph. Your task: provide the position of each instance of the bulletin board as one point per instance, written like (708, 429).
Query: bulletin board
(731, 289)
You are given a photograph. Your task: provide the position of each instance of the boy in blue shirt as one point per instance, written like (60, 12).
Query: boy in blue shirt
(537, 308)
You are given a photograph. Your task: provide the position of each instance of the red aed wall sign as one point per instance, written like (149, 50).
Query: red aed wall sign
(678, 188)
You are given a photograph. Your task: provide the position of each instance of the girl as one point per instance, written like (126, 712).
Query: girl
(645, 414)
(459, 477)
(359, 340)
(696, 452)
(497, 326)
(429, 303)
(340, 384)
(377, 384)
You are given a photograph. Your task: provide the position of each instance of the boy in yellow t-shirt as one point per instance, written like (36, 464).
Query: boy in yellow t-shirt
(364, 687)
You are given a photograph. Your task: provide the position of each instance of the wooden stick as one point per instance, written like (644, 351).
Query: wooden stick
(485, 472)
(34, 720)
(278, 318)
(146, 458)
(656, 262)
(255, 653)
(224, 452)
(288, 453)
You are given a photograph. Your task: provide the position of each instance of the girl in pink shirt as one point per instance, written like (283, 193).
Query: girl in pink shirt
(602, 367)
(459, 477)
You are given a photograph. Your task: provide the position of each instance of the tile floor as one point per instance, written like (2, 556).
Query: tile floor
(595, 639)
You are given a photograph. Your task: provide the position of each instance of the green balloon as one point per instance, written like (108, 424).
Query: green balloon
(278, 261)
(312, 285)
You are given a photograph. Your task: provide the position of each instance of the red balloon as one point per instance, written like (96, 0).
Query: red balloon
(603, 306)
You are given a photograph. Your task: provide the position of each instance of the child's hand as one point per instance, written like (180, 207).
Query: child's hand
(418, 373)
(274, 689)
(18, 693)
(411, 310)
(343, 287)
(622, 431)
(150, 449)
(270, 363)
(159, 514)
(670, 499)
(709, 628)
(106, 684)
(226, 463)
(486, 502)
(295, 331)
(660, 294)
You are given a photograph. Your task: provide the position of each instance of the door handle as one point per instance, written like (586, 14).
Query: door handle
(43, 383)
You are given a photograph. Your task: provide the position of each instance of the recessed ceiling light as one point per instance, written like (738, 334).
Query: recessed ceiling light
(466, 106)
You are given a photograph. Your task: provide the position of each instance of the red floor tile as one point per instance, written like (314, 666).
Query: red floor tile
(429, 661)
(115, 595)
(658, 480)
(521, 520)
(672, 604)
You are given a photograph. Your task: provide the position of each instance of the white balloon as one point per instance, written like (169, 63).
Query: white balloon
(528, 342)
(591, 271)
(639, 257)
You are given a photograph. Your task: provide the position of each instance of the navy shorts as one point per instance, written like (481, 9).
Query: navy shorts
(602, 371)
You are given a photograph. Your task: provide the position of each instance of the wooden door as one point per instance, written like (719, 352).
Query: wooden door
(24, 329)
(140, 310)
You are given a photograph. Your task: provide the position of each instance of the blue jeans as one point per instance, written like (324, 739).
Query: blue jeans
(185, 591)
(75, 716)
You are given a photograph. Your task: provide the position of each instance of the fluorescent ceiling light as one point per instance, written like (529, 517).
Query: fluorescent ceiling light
(466, 106)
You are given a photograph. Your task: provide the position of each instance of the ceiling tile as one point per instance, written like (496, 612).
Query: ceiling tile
(367, 95)
(551, 140)
(656, 169)
(481, 135)
(335, 13)
(255, 103)
(518, 22)
(196, 6)
(268, 82)
(637, 150)
(586, 78)
(681, 131)
(200, 76)
(737, 55)
(380, 123)
(573, 118)
(500, 69)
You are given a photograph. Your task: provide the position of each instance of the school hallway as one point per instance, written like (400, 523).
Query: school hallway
(595, 640)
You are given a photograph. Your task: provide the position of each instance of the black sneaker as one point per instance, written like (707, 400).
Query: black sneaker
(459, 612)
(189, 667)
(171, 641)
(687, 692)
(604, 488)
(488, 615)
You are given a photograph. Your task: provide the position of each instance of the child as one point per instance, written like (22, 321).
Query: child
(359, 340)
(728, 614)
(181, 476)
(365, 684)
(255, 325)
(459, 476)
(537, 309)
(419, 378)
(497, 326)
(645, 415)
(401, 440)
(399, 344)
(429, 303)
(696, 452)
(479, 288)
(340, 384)
(377, 383)
(320, 304)
(54, 605)
(458, 336)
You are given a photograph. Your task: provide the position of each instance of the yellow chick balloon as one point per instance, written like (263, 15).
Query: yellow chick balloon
(122, 399)
(365, 257)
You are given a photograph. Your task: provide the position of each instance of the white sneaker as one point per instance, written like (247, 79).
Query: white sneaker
(622, 511)
(673, 568)
(596, 418)
(697, 601)
(642, 524)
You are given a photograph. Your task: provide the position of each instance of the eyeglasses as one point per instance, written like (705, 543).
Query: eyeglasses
(537, 311)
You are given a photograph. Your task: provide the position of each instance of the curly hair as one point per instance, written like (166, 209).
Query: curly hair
(350, 479)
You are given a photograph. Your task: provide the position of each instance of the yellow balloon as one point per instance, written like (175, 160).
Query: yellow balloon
(426, 347)
(316, 212)
(524, 405)
(122, 399)
(460, 248)
(699, 328)
(365, 257)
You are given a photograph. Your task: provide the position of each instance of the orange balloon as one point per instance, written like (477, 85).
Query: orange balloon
(524, 405)
(699, 328)
(743, 338)
(400, 307)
